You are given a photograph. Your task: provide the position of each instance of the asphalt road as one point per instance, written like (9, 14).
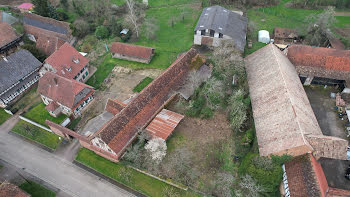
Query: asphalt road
(52, 169)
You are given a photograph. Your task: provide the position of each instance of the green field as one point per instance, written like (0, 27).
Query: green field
(139, 87)
(159, 3)
(170, 41)
(36, 190)
(127, 176)
(37, 134)
(39, 114)
(3, 116)
(343, 21)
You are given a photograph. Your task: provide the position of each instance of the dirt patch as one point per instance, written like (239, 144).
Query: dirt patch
(119, 86)
(345, 32)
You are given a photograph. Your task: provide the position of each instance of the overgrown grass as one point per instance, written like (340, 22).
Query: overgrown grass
(170, 41)
(3, 116)
(74, 123)
(36, 190)
(118, 2)
(37, 134)
(127, 176)
(26, 99)
(71, 15)
(39, 114)
(142, 84)
(159, 3)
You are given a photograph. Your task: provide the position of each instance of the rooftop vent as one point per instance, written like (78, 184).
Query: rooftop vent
(220, 28)
(76, 60)
(201, 26)
(62, 71)
(225, 10)
(206, 14)
(5, 59)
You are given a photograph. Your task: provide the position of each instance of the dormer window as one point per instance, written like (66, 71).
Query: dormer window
(69, 69)
(76, 60)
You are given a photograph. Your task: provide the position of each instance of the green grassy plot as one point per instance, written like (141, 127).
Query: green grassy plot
(3, 116)
(128, 176)
(36, 190)
(39, 114)
(37, 134)
(142, 84)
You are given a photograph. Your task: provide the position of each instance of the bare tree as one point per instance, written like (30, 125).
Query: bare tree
(224, 184)
(132, 17)
(250, 184)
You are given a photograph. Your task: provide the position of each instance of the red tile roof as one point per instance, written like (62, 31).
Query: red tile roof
(164, 124)
(132, 50)
(10, 190)
(7, 34)
(49, 44)
(114, 106)
(305, 177)
(326, 58)
(64, 58)
(52, 106)
(119, 132)
(335, 192)
(67, 92)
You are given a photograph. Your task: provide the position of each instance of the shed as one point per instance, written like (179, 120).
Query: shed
(264, 36)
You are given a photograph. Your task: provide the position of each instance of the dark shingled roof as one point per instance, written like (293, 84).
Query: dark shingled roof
(43, 25)
(17, 66)
(226, 22)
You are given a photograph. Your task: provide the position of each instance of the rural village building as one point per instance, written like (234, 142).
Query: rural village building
(284, 120)
(62, 95)
(18, 72)
(217, 24)
(118, 133)
(67, 62)
(132, 52)
(304, 176)
(49, 34)
(10, 190)
(8, 37)
(320, 65)
(285, 35)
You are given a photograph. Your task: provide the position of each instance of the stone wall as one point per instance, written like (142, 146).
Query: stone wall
(135, 59)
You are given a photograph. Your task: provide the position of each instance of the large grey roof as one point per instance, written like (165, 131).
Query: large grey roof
(17, 66)
(43, 25)
(226, 22)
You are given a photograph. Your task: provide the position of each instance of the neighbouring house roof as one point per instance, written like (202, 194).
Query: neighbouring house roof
(52, 106)
(132, 50)
(10, 190)
(67, 58)
(7, 34)
(124, 31)
(15, 67)
(305, 177)
(26, 6)
(336, 43)
(284, 33)
(119, 132)
(164, 124)
(327, 58)
(224, 21)
(114, 106)
(282, 112)
(67, 92)
(335, 192)
(45, 23)
(49, 44)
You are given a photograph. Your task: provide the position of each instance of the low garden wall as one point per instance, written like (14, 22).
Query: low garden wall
(34, 123)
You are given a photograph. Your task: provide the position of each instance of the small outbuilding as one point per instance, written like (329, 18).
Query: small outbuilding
(264, 36)
(132, 52)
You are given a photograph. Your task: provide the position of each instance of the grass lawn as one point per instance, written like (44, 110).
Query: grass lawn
(142, 84)
(36, 190)
(39, 114)
(170, 41)
(37, 134)
(159, 3)
(132, 178)
(26, 99)
(3, 116)
(343, 21)
(275, 16)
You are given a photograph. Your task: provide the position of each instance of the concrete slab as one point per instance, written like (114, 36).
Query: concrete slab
(96, 123)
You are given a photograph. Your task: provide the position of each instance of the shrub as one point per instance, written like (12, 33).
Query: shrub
(101, 32)
(206, 112)
(36, 52)
(196, 106)
(80, 28)
(86, 48)
(61, 15)
(248, 138)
